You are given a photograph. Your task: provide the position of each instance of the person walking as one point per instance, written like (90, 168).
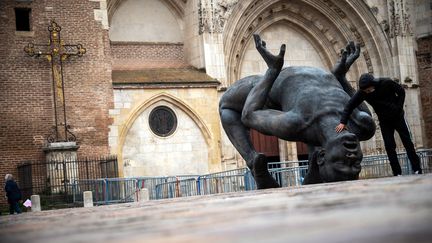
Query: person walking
(13, 194)
(387, 99)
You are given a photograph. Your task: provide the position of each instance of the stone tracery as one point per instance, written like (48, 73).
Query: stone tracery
(326, 23)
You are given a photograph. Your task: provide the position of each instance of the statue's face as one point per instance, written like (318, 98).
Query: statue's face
(341, 159)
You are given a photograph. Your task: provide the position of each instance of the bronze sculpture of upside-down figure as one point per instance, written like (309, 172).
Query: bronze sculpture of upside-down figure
(298, 104)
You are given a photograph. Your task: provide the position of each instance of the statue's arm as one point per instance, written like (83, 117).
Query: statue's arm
(348, 56)
(353, 103)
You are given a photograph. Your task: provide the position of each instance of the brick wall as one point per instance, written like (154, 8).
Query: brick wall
(130, 56)
(26, 111)
(424, 62)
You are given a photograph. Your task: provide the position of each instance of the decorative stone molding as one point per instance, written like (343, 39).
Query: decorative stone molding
(399, 19)
(300, 15)
(213, 14)
(329, 26)
(359, 39)
(385, 27)
(368, 61)
(374, 10)
(335, 8)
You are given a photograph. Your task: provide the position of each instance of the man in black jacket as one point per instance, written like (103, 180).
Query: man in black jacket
(387, 98)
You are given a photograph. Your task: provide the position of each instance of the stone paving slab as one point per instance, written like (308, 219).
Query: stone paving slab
(395, 209)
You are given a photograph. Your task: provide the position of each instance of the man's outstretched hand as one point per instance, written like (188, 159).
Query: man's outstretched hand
(348, 57)
(339, 128)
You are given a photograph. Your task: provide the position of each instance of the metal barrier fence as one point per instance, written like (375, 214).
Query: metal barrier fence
(378, 165)
(226, 181)
(286, 173)
(118, 190)
(54, 180)
(177, 188)
(106, 191)
(158, 185)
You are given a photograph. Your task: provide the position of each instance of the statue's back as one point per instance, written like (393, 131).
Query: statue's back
(306, 89)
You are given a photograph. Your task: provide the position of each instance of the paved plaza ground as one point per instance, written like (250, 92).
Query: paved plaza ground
(396, 209)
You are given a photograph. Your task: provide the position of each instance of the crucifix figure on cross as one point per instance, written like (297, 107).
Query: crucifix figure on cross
(56, 52)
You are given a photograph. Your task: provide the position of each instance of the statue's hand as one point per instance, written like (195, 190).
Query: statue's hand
(348, 57)
(271, 60)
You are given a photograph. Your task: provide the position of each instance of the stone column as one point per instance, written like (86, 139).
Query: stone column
(62, 168)
(401, 36)
(212, 16)
(288, 150)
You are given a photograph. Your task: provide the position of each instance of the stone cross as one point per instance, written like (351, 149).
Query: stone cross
(57, 52)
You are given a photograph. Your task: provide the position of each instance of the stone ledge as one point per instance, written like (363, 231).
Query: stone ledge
(61, 146)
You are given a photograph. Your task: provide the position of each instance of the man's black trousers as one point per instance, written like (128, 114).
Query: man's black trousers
(387, 130)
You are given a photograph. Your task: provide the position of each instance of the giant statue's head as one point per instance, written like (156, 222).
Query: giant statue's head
(340, 158)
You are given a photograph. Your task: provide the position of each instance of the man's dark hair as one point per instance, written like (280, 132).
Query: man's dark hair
(366, 80)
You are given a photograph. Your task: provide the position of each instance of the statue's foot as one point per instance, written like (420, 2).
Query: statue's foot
(261, 174)
(273, 61)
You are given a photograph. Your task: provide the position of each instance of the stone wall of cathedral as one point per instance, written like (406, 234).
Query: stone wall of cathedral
(423, 33)
(424, 62)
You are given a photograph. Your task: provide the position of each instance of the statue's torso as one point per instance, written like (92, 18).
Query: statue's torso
(307, 91)
(313, 94)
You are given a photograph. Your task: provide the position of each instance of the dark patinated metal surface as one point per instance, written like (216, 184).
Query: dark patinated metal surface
(298, 104)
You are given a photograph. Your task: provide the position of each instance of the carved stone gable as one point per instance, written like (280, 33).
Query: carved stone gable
(213, 14)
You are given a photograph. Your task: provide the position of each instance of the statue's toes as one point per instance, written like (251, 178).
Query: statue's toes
(282, 51)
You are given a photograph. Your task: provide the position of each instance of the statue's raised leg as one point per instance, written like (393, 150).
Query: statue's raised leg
(255, 101)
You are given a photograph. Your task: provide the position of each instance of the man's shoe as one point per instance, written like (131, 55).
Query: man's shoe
(418, 172)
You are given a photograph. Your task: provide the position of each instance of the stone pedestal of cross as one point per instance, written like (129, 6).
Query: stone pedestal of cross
(57, 52)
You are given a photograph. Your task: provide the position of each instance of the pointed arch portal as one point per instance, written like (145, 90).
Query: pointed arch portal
(326, 26)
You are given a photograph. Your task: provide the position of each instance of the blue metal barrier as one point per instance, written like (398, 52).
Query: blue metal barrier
(221, 182)
(97, 186)
(151, 182)
(120, 190)
(249, 181)
(178, 188)
(287, 174)
(376, 166)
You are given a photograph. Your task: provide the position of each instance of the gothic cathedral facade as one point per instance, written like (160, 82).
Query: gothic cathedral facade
(148, 86)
